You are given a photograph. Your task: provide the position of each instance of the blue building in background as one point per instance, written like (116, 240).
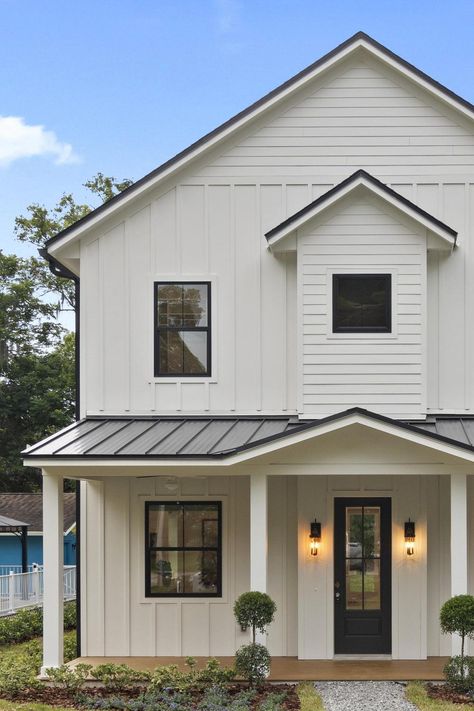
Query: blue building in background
(29, 508)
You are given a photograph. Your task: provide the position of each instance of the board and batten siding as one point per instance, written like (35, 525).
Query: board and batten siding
(385, 372)
(210, 224)
(119, 621)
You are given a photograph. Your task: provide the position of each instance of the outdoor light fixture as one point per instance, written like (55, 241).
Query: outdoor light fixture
(410, 537)
(315, 538)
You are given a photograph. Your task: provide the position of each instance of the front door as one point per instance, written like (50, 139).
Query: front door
(362, 576)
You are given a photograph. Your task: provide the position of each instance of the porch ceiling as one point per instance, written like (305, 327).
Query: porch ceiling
(228, 440)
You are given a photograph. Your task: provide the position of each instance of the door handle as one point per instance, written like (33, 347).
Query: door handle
(338, 596)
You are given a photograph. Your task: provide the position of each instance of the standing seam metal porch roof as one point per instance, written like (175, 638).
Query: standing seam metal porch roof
(212, 437)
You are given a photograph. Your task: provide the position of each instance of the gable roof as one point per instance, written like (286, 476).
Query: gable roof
(357, 179)
(358, 40)
(184, 438)
(29, 507)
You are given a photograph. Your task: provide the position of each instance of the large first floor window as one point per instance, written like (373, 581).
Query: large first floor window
(182, 329)
(183, 549)
(362, 303)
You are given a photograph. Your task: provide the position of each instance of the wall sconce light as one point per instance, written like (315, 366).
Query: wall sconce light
(314, 538)
(409, 537)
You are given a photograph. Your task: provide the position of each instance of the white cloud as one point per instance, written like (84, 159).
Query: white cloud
(20, 140)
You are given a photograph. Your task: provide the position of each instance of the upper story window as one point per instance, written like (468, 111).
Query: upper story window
(182, 329)
(183, 556)
(362, 303)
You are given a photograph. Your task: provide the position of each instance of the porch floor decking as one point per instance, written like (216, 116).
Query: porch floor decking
(293, 669)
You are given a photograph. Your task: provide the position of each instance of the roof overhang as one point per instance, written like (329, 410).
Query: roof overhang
(358, 42)
(442, 236)
(463, 450)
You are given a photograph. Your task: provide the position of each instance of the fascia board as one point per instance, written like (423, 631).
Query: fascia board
(268, 448)
(290, 229)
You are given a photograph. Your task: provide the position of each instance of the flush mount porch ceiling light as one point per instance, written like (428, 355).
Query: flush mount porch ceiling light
(314, 538)
(409, 537)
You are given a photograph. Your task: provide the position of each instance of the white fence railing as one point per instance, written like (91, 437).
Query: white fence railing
(19, 590)
(7, 569)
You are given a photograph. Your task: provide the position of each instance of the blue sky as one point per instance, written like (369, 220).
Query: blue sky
(119, 86)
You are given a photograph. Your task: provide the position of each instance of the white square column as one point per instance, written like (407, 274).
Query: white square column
(258, 536)
(53, 571)
(459, 547)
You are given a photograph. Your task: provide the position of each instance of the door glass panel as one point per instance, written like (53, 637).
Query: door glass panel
(372, 584)
(371, 532)
(354, 532)
(363, 547)
(354, 584)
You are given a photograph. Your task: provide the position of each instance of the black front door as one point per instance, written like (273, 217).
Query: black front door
(362, 576)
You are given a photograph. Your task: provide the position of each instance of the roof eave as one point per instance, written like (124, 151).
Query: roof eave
(361, 179)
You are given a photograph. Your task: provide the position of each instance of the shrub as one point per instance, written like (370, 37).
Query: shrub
(119, 677)
(459, 673)
(252, 662)
(255, 610)
(171, 677)
(72, 679)
(26, 624)
(18, 673)
(457, 617)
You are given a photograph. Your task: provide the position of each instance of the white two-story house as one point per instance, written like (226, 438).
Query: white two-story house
(277, 378)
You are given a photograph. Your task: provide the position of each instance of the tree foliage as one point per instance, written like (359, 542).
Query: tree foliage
(255, 610)
(40, 224)
(37, 360)
(457, 617)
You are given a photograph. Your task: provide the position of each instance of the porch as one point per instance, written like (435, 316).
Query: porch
(288, 669)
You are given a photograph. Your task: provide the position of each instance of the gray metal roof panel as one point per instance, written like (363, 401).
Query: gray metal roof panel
(201, 436)
(453, 429)
(238, 435)
(131, 430)
(208, 437)
(178, 438)
(86, 441)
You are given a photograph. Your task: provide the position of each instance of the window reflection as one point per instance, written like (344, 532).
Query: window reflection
(363, 546)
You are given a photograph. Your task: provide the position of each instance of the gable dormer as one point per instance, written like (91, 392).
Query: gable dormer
(362, 298)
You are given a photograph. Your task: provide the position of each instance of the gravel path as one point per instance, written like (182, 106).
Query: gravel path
(363, 696)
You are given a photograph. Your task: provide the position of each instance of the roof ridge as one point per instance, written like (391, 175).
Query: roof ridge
(353, 39)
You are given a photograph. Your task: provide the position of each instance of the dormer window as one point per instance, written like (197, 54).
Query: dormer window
(182, 329)
(362, 303)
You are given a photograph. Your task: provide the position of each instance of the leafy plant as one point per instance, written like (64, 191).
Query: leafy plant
(459, 673)
(457, 617)
(171, 677)
(252, 662)
(17, 673)
(119, 677)
(255, 610)
(72, 679)
(27, 624)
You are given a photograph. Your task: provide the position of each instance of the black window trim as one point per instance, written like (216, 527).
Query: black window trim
(362, 329)
(157, 328)
(148, 548)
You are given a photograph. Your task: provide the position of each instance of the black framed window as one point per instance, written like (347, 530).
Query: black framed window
(362, 303)
(182, 329)
(183, 556)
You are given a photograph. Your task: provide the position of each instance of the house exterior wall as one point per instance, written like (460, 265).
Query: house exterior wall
(385, 372)
(209, 224)
(113, 566)
(10, 550)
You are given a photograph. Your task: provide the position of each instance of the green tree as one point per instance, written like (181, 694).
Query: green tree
(37, 361)
(36, 399)
(40, 224)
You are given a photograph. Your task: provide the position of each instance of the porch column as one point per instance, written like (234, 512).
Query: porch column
(458, 542)
(53, 552)
(258, 536)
